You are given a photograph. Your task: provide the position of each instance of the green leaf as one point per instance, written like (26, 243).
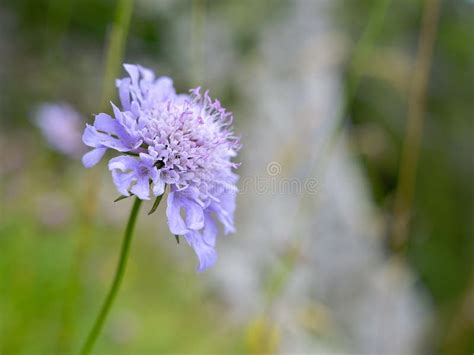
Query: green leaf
(121, 198)
(156, 204)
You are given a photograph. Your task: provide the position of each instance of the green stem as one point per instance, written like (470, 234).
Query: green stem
(198, 19)
(99, 322)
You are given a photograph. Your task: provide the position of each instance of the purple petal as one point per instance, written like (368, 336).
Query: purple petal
(123, 162)
(132, 70)
(158, 187)
(95, 139)
(164, 89)
(206, 254)
(122, 181)
(224, 210)
(93, 157)
(124, 93)
(192, 193)
(105, 123)
(123, 170)
(90, 137)
(135, 108)
(175, 221)
(142, 188)
(147, 159)
(117, 112)
(170, 177)
(210, 230)
(147, 74)
(194, 215)
(113, 143)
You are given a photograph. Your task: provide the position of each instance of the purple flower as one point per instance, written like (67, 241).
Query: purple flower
(61, 126)
(184, 142)
(134, 175)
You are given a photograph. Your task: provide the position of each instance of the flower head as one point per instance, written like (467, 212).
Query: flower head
(61, 126)
(181, 141)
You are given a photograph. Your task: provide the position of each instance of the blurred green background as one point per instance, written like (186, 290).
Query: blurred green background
(60, 231)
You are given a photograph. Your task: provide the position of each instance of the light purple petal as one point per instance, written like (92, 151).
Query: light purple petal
(93, 157)
(113, 143)
(122, 181)
(224, 210)
(95, 139)
(105, 123)
(206, 254)
(147, 74)
(123, 170)
(123, 162)
(124, 93)
(132, 70)
(135, 108)
(90, 137)
(194, 215)
(210, 230)
(147, 159)
(170, 177)
(164, 89)
(158, 187)
(117, 112)
(175, 221)
(142, 188)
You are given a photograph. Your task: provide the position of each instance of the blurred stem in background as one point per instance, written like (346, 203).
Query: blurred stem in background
(458, 338)
(414, 125)
(113, 58)
(362, 51)
(122, 263)
(198, 17)
(115, 50)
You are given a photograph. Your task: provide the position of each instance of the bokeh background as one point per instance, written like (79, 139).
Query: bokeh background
(331, 254)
